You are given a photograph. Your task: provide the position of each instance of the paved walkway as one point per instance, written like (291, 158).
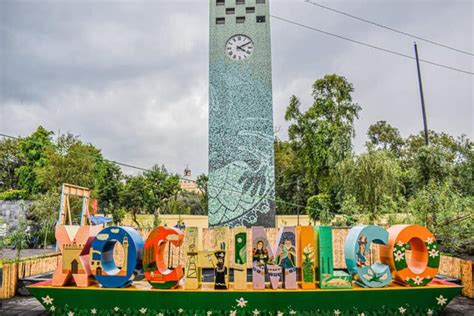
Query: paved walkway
(29, 306)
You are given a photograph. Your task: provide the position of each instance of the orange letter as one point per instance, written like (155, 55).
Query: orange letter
(424, 261)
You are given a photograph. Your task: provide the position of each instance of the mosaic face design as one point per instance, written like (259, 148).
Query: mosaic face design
(241, 162)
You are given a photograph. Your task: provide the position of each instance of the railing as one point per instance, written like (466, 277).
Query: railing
(14, 270)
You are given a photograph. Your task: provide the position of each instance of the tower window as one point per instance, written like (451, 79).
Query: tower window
(240, 19)
(250, 10)
(240, 2)
(261, 19)
(220, 2)
(220, 20)
(230, 11)
(260, 2)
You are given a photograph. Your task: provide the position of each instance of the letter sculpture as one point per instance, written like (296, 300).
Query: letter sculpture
(328, 278)
(425, 257)
(240, 258)
(309, 255)
(103, 266)
(159, 272)
(191, 252)
(357, 254)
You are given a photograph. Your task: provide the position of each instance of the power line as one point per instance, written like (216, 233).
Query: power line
(370, 45)
(388, 28)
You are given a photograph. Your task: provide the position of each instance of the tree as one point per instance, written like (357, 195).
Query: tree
(133, 196)
(44, 214)
(322, 136)
(108, 186)
(202, 181)
(289, 178)
(319, 208)
(33, 151)
(70, 161)
(445, 213)
(10, 161)
(373, 179)
(384, 136)
(20, 237)
(160, 186)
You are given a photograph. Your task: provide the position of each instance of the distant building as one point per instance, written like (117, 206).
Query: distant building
(188, 183)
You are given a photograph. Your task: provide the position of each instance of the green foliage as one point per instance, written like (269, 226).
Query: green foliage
(118, 215)
(133, 196)
(20, 237)
(446, 213)
(289, 178)
(33, 151)
(10, 161)
(12, 194)
(384, 136)
(70, 161)
(44, 214)
(322, 136)
(370, 183)
(108, 186)
(201, 182)
(319, 208)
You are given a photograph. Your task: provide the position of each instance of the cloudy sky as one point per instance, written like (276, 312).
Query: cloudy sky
(132, 76)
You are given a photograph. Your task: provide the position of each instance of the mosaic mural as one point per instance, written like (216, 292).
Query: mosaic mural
(241, 162)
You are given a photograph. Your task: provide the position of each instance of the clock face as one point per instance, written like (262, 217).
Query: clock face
(239, 47)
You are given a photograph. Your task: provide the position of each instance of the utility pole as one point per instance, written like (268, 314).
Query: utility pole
(420, 84)
(297, 194)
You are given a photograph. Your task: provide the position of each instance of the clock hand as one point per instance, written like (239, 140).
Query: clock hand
(245, 44)
(240, 47)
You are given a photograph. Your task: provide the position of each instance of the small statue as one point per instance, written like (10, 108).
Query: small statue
(220, 271)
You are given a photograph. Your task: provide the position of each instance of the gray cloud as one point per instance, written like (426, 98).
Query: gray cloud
(131, 77)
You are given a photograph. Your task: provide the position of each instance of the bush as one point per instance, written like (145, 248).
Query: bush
(13, 195)
(318, 208)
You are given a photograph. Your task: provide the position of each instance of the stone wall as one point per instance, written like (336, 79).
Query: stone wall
(12, 211)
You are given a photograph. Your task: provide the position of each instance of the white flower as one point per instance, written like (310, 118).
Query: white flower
(116, 308)
(402, 310)
(361, 314)
(209, 313)
(337, 312)
(399, 255)
(142, 310)
(280, 313)
(180, 310)
(429, 312)
(292, 312)
(233, 313)
(417, 280)
(256, 312)
(429, 240)
(93, 311)
(71, 313)
(400, 243)
(434, 253)
(159, 314)
(441, 300)
(241, 302)
(53, 308)
(47, 300)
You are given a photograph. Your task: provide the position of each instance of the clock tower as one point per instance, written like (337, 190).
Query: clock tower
(241, 159)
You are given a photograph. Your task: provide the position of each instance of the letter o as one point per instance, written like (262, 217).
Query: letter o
(424, 262)
(103, 266)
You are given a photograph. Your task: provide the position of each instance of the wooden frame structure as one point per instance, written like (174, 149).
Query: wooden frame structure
(65, 207)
